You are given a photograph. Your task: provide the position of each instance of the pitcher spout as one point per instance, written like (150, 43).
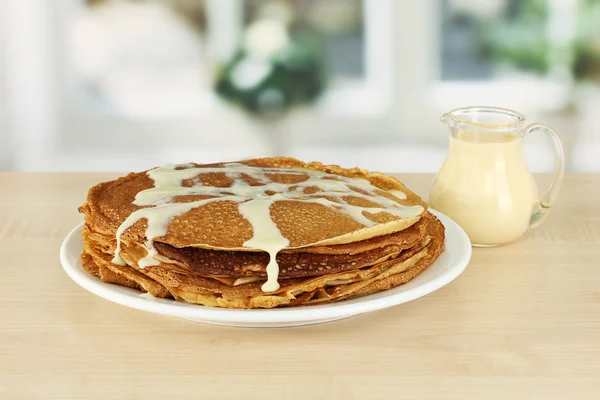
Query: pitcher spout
(447, 119)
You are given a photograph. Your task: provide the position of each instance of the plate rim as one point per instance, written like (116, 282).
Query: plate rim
(118, 294)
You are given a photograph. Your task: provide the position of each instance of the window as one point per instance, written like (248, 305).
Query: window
(343, 34)
(126, 84)
(158, 59)
(478, 38)
(496, 51)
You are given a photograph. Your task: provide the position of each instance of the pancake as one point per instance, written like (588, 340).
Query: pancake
(214, 291)
(220, 225)
(291, 264)
(260, 233)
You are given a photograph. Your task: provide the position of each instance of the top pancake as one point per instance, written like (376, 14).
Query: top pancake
(219, 224)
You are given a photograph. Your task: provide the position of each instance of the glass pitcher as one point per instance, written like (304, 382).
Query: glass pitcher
(484, 184)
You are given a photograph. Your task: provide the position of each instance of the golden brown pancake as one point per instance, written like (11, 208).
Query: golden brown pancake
(239, 264)
(110, 203)
(350, 233)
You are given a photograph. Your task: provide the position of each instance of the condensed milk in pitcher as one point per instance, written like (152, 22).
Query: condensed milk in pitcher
(484, 184)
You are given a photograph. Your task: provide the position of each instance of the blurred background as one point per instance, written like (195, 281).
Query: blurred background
(120, 85)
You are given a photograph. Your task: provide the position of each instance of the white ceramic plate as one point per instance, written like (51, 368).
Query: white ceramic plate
(444, 270)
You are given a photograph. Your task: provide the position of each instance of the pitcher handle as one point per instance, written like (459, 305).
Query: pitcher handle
(545, 204)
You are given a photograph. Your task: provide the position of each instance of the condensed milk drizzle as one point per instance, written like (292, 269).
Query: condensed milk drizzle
(254, 204)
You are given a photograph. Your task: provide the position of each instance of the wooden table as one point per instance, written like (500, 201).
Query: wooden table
(522, 322)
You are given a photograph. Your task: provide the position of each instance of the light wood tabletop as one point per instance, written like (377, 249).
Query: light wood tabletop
(522, 322)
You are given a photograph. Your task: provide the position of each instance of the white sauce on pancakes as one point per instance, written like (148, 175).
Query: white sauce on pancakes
(254, 204)
(266, 235)
(397, 193)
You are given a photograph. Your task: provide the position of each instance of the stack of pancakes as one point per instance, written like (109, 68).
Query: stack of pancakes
(347, 233)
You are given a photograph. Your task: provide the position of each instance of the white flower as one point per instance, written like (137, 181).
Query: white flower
(249, 72)
(265, 37)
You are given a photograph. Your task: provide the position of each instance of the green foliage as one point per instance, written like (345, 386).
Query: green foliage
(521, 40)
(518, 40)
(296, 77)
(587, 45)
(523, 46)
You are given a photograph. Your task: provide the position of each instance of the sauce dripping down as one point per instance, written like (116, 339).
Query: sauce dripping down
(254, 204)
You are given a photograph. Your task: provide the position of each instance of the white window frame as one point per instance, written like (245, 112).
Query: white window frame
(432, 96)
(523, 92)
(61, 136)
(400, 99)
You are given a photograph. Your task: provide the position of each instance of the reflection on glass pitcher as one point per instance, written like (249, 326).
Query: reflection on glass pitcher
(484, 184)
